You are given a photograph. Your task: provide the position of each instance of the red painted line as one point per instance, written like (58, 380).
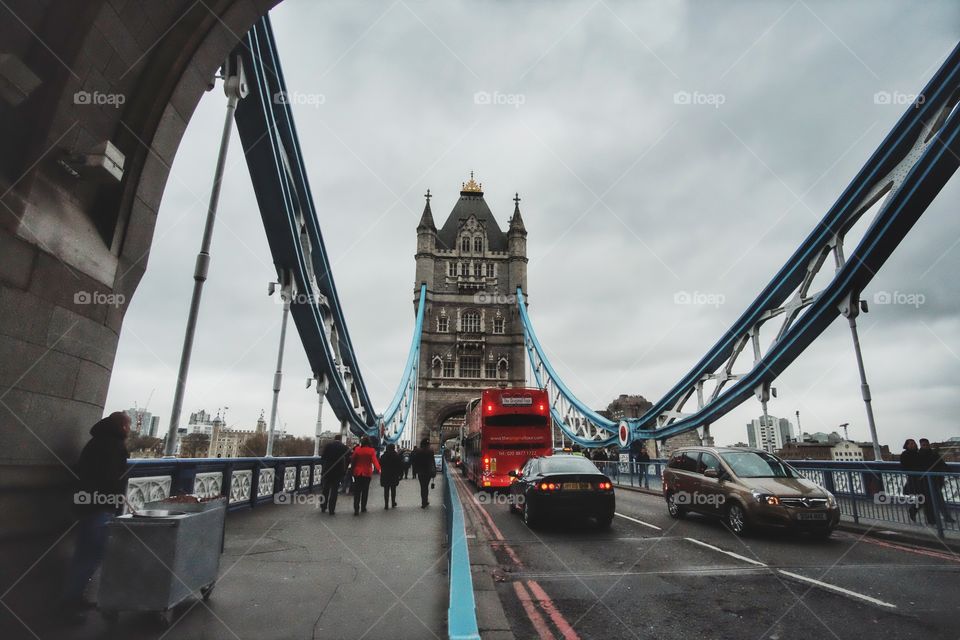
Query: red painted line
(494, 529)
(547, 603)
(535, 618)
(915, 550)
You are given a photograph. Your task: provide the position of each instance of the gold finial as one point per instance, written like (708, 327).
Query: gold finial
(472, 185)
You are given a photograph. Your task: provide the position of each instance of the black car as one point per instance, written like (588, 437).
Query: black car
(561, 484)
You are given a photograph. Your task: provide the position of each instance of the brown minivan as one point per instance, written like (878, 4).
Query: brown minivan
(747, 488)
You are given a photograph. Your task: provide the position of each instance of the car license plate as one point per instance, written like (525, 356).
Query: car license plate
(576, 486)
(811, 516)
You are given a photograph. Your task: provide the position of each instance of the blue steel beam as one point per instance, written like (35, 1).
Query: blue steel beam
(272, 150)
(394, 420)
(908, 169)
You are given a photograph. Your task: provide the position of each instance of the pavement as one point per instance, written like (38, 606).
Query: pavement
(292, 572)
(650, 576)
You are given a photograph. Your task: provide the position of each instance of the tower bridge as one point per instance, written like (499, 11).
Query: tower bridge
(96, 97)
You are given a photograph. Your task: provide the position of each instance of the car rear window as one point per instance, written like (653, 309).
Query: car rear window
(572, 464)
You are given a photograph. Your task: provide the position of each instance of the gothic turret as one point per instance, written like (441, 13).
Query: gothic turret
(517, 247)
(426, 245)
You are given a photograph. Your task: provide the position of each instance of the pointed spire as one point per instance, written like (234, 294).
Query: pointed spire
(516, 222)
(426, 220)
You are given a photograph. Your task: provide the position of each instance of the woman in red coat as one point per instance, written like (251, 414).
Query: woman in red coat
(362, 464)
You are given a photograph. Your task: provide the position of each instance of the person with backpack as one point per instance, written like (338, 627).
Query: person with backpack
(391, 470)
(424, 469)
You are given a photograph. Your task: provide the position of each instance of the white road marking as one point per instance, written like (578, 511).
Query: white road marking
(646, 524)
(833, 587)
(729, 553)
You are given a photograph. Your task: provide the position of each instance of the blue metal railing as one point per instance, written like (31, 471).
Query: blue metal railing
(865, 491)
(245, 482)
(462, 609)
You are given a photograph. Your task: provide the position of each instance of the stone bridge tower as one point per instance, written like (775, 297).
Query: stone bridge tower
(472, 338)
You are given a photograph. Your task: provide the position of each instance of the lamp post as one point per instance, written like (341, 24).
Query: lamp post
(850, 309)
(321, 392)
(235, 88)
(286, 294)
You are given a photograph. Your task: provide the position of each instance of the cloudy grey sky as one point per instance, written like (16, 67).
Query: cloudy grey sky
(628, 196)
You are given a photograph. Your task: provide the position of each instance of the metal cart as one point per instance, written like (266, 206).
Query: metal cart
(157, 558)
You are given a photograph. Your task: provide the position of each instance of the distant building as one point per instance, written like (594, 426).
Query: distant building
(200, 422)
(824, 438)
(842, 451)
(769, 433)
(154, 426)
(142, 422)
(949, 449)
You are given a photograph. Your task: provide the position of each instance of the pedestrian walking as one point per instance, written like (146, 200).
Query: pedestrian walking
(424, 469)
(933, 463)
(363, 462)
(911, 461)
(391, 469)
(333, 461)
(101, 473)
(406, 463)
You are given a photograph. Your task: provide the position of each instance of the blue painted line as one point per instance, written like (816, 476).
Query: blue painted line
(462, 609)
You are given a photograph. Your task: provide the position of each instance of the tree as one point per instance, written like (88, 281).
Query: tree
(255, 446)
(146, 446)
(195, 445)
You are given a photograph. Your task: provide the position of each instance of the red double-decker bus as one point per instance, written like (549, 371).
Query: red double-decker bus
(503, 429)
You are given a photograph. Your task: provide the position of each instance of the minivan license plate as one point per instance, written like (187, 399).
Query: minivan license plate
(811, 516)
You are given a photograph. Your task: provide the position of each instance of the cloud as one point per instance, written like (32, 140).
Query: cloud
(629, 195)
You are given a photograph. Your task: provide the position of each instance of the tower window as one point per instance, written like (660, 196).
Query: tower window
(448, 369)
(498, 325)
(471, 322)
(463, 268)
(469, 366)
(451, 269)
(464, 244)
(476, 269)
(491, 370)
(478, 244)
(443, 324)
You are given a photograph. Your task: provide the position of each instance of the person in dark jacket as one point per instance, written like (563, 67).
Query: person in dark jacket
(933, 462)
(424, 469)
(391, 470)
(406, 463)
(333, 463)
(101, 475)
(911, 460)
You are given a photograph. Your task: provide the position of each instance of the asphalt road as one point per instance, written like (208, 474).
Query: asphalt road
(650, 576)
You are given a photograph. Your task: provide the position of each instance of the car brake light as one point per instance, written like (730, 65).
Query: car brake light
(549, 486)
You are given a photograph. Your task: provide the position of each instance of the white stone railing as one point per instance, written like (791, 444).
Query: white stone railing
(208, 485)
(240, 485)
(143, 490)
